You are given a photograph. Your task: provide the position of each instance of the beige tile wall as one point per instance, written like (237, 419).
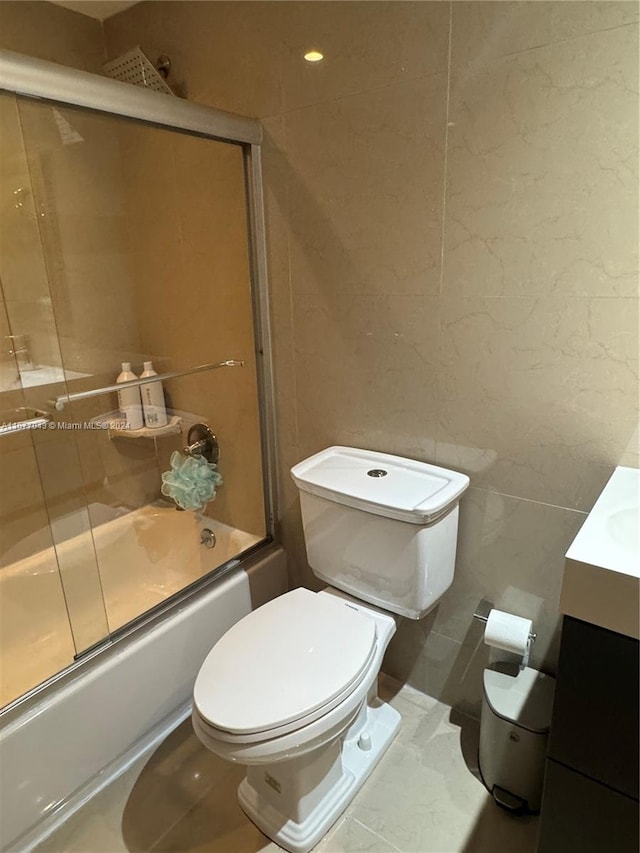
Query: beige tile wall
(188, 240)
(76, 169)
(23, 273)
(452, 212)
(491, 326)
(51, 32)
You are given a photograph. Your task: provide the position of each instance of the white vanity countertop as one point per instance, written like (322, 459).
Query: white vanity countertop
(601, 580)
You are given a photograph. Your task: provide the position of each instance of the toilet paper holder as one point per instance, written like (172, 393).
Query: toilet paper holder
(482, 614)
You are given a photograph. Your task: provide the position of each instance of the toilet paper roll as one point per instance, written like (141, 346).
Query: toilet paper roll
(508, 632)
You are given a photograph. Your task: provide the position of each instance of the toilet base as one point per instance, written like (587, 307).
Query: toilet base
(296, 802)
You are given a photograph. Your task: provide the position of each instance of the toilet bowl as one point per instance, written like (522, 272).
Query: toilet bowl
(290, 691)
(309, 749)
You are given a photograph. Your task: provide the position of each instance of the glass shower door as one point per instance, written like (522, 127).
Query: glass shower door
(145, 237)
(120, 241)
(48, 569)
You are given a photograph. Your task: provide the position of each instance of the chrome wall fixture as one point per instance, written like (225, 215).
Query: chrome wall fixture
(481, 614)
(202, 442)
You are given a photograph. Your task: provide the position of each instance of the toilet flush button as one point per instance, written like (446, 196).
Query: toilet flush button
(364, 742)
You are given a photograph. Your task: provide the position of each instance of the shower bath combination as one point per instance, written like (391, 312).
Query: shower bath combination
(124, 594)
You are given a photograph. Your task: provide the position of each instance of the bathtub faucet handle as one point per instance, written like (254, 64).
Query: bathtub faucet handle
(202, 442)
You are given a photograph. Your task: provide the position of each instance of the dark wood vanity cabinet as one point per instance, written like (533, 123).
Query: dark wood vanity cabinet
(590, 797)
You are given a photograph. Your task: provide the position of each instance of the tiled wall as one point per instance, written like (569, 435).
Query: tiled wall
(191, 283)
(453, 216)
(50, 32)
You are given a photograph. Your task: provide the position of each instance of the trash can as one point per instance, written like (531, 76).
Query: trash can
(514, 729)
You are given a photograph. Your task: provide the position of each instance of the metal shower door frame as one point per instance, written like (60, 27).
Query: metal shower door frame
(36, 78)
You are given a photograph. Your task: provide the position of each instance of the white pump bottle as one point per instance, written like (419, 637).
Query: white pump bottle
(155, 411)
(129, 401)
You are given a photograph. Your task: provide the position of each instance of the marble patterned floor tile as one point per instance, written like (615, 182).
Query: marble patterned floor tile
(349, 836)
(422, 716)
(216, 824)
(425, 796)
(429, 802)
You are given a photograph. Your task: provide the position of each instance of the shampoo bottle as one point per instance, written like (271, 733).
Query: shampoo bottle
(129, 401)
(155, 412)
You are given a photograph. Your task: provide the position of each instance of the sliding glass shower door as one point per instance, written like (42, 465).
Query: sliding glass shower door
(51, 606)
(121, 242)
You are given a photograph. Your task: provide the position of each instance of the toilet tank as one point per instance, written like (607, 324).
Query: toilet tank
(380, 527)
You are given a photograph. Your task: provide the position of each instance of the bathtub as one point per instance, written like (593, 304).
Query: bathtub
(35, 640)
(67, 740)
(143, 557)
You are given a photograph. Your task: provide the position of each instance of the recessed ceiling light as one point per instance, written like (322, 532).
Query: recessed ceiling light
(313, 56)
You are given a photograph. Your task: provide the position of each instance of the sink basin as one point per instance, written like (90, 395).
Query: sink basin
(622, 526)
(601, 580)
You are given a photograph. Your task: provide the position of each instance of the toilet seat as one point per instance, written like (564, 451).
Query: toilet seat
(284, 666)
(317, 733)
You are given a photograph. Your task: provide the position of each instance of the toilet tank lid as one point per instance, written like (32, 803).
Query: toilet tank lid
(386, 485)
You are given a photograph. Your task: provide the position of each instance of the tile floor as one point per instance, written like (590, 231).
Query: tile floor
(424, 797)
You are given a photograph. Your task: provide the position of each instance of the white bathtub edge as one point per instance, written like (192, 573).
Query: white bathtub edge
(54, 751)
(27, 842)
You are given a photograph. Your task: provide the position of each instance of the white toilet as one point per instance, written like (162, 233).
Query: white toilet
(290, 691)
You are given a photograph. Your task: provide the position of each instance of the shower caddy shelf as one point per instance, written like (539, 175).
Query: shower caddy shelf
(172, 427)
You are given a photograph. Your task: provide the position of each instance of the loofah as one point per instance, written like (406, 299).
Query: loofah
(192, 481)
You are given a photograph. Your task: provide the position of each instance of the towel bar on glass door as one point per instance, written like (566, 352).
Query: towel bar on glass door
(17, 420)
(60, 402)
